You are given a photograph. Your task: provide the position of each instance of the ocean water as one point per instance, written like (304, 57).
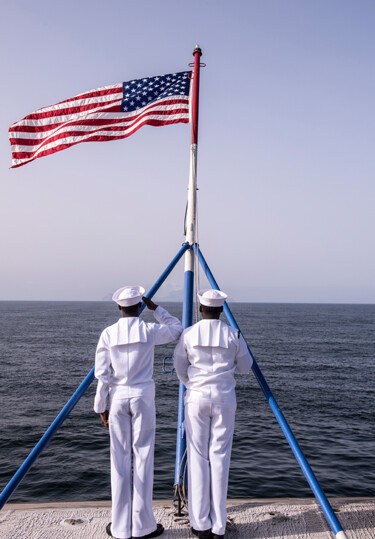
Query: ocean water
(319, 361)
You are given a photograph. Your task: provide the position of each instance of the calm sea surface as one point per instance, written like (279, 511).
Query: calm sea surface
(319, 361)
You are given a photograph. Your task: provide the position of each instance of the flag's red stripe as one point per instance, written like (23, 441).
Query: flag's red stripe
(22, 155)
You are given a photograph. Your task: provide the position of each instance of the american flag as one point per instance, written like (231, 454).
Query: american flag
(108, 113)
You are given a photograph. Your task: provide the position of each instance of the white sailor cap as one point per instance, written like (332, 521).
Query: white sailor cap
(212, 298)
(128, 295)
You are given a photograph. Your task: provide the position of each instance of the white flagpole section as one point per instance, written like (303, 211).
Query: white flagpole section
(187, 313)
(191, 214)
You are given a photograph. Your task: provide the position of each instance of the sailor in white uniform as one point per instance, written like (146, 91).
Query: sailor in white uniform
(125, 400)
(206, 358)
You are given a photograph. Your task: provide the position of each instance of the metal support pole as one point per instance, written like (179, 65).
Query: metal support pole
(187, 314)
(51, 431)
(301, 459)
(187, 320)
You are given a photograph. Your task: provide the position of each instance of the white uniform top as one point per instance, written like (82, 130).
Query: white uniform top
(125, 356)
(206, 358)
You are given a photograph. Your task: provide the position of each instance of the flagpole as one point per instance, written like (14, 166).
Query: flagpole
(187, 312)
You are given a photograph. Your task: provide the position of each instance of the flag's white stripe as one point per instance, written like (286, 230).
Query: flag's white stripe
(81, 115)
(100, 132)
(123, 118)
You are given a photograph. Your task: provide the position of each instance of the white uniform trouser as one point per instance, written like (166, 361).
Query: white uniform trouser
(209, 435)
(132, 428)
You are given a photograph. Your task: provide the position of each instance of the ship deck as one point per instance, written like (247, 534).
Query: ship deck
(292, 518)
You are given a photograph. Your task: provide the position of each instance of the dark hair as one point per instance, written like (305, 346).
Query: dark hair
(214, 310)
(132, 309)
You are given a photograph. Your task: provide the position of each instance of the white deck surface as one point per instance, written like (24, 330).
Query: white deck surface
(259, 519)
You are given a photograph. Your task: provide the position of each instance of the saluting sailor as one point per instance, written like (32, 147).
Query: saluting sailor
(206, 358)
(125, 400)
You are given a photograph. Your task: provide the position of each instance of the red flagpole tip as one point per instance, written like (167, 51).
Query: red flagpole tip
(198, 50)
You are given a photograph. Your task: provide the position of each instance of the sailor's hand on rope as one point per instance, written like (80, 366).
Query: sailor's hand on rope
(149, 303)
(104, 418)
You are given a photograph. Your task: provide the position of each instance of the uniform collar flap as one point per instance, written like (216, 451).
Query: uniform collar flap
(130, 331)
(211, 333)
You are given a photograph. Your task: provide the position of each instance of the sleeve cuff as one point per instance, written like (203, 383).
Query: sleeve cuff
(158, 313)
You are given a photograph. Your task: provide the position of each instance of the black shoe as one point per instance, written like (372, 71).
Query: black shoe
(216, 536)
(159, 530)
(108, 530)
(202, 534)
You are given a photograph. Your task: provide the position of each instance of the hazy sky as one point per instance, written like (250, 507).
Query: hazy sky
(286, 149)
